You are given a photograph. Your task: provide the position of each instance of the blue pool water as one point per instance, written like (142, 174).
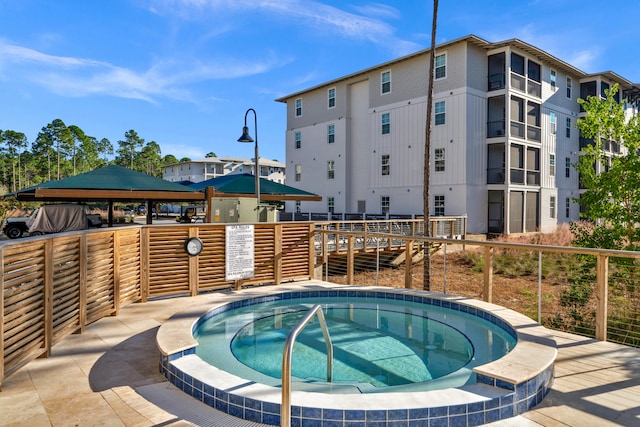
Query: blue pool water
(380, 344)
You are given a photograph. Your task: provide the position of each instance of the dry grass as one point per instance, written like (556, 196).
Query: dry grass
(515, 279)
(463, 279)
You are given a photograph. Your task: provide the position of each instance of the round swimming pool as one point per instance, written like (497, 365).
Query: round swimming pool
(379, 344)
(401, 357)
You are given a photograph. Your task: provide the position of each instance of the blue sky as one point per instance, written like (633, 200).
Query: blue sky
(182, 73)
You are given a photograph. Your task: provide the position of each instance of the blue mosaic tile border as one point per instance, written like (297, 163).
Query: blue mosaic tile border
(518, 398)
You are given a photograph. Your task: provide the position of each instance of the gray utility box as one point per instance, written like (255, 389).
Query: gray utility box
(241, 209)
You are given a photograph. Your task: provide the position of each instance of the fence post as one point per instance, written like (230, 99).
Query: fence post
(487, 294)
(82, 294)
(144, 264)
(277, 255)
(408, 262)
(325, 253)
(116, 272)
(48, 297)
(540, 287)
(350, 259)
(602, 287)
(193, 266)
(312, 250)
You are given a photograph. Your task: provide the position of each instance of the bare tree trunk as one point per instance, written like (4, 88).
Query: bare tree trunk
(19, 171)
(58, 149)
(13, 164)
(426, 273)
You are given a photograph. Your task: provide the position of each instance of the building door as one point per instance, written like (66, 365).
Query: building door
(362, 206)
(496, 211)
(532, 216)
(516, 206)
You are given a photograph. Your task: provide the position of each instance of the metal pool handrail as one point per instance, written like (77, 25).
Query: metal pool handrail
(285, 407)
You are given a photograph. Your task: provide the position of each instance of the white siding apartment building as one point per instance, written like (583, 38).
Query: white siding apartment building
(214, 167)
(503, 138)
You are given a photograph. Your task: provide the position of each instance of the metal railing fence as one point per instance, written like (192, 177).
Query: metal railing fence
(592, 292)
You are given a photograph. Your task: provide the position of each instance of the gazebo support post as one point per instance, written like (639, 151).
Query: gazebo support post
(149, 211)
(110, 214)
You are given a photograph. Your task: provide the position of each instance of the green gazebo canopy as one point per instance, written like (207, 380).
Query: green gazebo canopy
(243, 185)
(111, 183)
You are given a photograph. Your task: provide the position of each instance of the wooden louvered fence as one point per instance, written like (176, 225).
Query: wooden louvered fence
(55, 285)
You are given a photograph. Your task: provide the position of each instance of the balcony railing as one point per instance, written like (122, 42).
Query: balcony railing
(534, 133)
(495, 129)
(518, 82)
(516, 176)
(495, 175)
(534, 88)
(496, 81)
(517, 129)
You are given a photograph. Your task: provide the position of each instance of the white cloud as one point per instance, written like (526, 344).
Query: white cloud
(13, 53)
(379, 10)
(307, 13)
(77, 77)
(585, 60)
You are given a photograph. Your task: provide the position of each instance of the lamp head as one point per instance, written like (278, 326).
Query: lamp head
(245, 135)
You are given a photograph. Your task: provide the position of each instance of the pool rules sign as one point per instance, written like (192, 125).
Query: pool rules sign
(239, 252)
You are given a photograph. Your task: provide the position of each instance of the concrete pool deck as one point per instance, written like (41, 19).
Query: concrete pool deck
(109, 376)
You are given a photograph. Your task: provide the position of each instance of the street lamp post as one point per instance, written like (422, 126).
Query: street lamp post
(247, 138)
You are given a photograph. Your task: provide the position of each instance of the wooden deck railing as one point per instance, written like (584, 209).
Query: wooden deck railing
(55, 285)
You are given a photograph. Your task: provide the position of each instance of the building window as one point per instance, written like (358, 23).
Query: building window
(517, 64)
(298, 139)
(385, 79)
(331, 95)
(331, 169)
(567, 167)
(552, 206)
(569, 87)
(567, 129)
(567, 207)
(533, 71)
(439, 159)
(386, 167)
(441, 66)
(298, 206)
(533, 121)
(438, 205)
(440, 109)
(385, 204)
(298, 107)
(552, 79)
(552, 164)
(331, 205)
(553, 119)
(386, 123)
(298, 172)
(331, 134)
